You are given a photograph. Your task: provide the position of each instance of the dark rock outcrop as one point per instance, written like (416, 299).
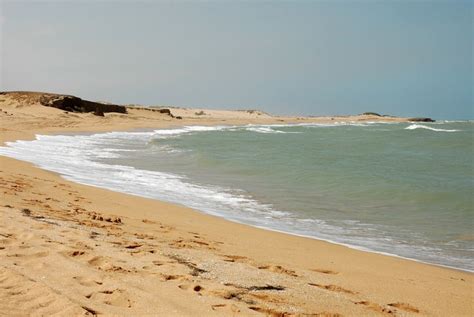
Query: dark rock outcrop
(371, 114)
(166, 111)
(421, 120)
(76, 104)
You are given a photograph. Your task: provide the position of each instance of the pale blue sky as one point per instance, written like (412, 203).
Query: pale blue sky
(397, 57)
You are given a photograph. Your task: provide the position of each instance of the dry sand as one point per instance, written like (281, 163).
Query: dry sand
(70, 249)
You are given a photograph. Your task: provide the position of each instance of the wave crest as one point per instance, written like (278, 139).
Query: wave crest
(264, 130)
(420, 126)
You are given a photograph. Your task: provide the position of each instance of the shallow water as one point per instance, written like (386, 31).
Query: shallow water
(403, 189)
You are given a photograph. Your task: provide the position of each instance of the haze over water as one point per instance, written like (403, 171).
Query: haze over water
(404, 189)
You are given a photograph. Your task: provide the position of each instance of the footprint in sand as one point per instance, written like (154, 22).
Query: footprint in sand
(405, 306)
(333, 288)
(87, 281)
(270, 311)
(194, 287)
(278, 269)
(171, 277)
(82, 245)
(324, 271)
(144, 236)
(114, 297)
(151, 222)
(375, 307)
(235, 258)
(105, 264)
(225, 308)
(190, 244)
(164, 228)
(251, 295)
(75, 253)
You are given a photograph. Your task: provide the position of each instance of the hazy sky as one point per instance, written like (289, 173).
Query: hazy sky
(397, 57)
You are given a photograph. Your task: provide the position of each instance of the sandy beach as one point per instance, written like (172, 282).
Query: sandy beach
(70, 249)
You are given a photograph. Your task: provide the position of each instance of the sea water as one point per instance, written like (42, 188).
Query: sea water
(404, 189)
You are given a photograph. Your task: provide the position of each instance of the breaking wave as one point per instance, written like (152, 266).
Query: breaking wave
(420, 126)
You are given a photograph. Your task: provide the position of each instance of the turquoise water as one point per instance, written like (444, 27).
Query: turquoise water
(403, 189)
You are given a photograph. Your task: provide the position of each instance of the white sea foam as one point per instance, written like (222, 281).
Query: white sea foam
(75, 157)
(420, 126)
(266, 129)
(164, 133)
(453, 121)
(270, 128)
(263, 130)
(344, 124)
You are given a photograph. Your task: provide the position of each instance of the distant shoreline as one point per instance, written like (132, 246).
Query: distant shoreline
(69, 103)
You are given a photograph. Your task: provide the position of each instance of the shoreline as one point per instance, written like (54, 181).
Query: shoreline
(211, 264)
(262, 227)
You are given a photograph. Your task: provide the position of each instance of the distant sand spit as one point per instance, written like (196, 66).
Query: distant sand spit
(70, 249)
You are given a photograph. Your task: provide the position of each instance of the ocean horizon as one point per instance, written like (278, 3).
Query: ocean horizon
(403, 189)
